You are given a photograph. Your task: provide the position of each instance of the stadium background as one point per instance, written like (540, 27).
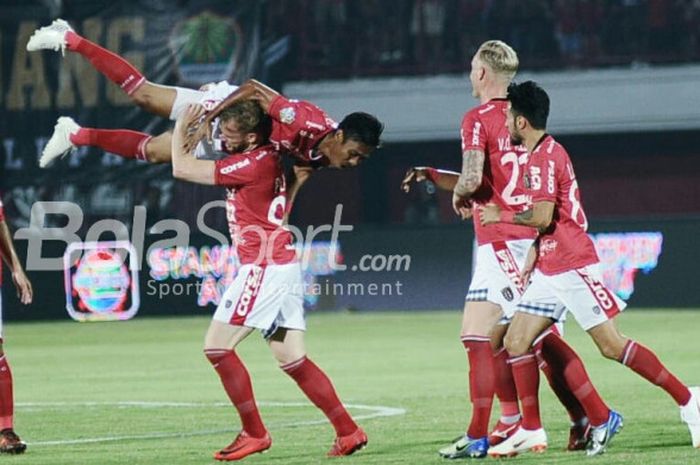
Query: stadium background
(622, 75)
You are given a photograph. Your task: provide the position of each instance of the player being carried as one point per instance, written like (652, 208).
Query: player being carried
(491, 170)
(298, 127)
(267, 293)
(565, 262)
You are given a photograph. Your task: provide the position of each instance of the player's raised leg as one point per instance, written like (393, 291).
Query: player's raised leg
(126, 143)
(68, 135)
(288, 348)
(645, 363)
(151, 97)
(219, 348)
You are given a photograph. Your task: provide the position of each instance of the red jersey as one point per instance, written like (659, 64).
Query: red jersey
(255, 206)
(484, 128)
(565, 246)
(298, 126)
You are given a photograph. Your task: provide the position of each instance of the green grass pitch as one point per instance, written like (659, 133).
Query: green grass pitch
(141, 392)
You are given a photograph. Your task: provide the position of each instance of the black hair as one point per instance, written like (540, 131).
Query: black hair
(363, 128)
(531, 101)
(249, 116)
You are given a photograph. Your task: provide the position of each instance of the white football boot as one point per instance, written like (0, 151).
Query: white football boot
(521, 441)
(60, 143)
(51, 37)
(690, 414)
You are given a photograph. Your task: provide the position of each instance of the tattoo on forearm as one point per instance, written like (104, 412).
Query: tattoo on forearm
(472, 170)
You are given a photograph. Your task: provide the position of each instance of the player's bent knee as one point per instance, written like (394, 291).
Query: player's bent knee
(611, 350)
(516, 345)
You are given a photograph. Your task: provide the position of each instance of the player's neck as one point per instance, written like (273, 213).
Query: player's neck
(323, 146)
(533, 138)
(495, 90)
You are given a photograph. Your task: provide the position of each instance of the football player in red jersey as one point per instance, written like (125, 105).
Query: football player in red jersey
(563, 269)
(10, 443)
(298, 127)
(491, 173)
(267, 293)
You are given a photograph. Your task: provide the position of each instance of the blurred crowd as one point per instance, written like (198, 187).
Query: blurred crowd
(348, 38)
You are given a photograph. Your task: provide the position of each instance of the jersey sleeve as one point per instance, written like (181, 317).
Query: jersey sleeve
(234, 171)
(546, 177)
(473, 132)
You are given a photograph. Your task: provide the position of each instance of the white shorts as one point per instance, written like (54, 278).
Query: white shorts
(496, 275)
(580, 291)
(209, 98)
(265, 298)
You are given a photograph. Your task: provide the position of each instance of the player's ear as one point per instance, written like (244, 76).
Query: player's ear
(252, 138)
(339, 136)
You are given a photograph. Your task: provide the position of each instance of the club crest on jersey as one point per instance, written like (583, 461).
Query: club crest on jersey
(547, 246)
(287, 115)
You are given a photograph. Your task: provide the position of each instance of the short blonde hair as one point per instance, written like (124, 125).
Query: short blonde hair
(500, 57)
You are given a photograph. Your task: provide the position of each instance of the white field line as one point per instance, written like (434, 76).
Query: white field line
(374, 411)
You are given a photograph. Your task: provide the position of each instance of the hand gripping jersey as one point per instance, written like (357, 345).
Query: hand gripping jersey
(255, 206)
(484, 128)
(550, 177)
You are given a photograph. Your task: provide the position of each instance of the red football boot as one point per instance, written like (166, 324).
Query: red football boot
(502, 432)
(579, 435)
(346, 445)
(243, 446)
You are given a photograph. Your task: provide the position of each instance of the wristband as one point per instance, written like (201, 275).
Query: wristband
(432, 174)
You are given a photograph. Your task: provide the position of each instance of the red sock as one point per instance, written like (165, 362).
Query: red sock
(7, 405)
(527, 381)
(319, 389)
(570, 382)
(645, 363)
(114, 67)
(236, 381)
(505, 385)
(481, 383)
(122, 142)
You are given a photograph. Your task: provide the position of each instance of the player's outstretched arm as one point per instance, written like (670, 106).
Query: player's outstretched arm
(185, 165)
(444, 179)
(25, 292)
(538, 217)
